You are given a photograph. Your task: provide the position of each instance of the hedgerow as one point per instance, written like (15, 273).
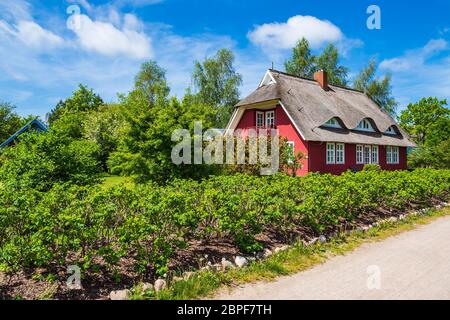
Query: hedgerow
(92, 226)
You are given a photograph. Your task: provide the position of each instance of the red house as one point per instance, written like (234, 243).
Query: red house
(337, 128)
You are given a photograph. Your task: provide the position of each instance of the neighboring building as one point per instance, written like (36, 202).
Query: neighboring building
(337, 128)
(33, 125)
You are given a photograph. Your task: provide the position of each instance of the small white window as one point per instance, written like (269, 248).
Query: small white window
(331, 153)
(359, 154)
(367, 154)
(332, 123)
(259, 119)
(365, 125)
(290, 151)
(392, 155)
(390, 130)
(270, 119)
(375, 154)
(340, 153)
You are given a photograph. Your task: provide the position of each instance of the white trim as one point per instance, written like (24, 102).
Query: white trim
(272, 117)
(292, 145)
(263, 81)
(377, 149)
(335, 123)
(361, 153)
(360, 126)
(329, 144)
(292, 120)
(390, 151)
(256, 120)
(390, 130)
(343, 153)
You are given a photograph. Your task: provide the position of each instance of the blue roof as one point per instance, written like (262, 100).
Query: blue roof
(35, 123)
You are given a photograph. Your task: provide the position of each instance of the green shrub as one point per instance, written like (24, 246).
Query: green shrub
(91, 225)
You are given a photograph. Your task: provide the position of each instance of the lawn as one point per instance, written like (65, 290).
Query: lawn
(111, 181)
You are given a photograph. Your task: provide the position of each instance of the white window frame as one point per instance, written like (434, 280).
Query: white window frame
(365, 125)
(359, 154)
(375, 156)
(331, 153)
(260, 113)
(291, 144)
(270, 116)
(392, 155)
(340, 153)
(390, 130)
(367, 154)
(332, 123)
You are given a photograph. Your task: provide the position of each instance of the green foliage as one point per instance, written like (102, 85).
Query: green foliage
(217, 84)
(10, 121)
(82, 100)
(151, 83)
(105, 128)
(301, 62)
(428, 123)
(146, 147)
(40, 160)
(372, 167)
(328, 61)
(379, 90)
(83, 225)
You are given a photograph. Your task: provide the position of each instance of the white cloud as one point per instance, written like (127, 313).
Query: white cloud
(285, 35)
(106, 39)
(415, 58)
(421, 72)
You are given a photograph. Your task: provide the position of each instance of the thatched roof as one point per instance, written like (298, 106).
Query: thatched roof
(310, 106)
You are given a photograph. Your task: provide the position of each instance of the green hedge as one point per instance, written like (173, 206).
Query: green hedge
(88, 226)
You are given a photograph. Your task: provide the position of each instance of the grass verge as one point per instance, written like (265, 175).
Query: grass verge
(296, 259)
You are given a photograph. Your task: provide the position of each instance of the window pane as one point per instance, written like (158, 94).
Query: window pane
(330, 153)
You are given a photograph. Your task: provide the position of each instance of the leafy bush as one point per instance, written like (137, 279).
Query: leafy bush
(372, 167)
(91, 225)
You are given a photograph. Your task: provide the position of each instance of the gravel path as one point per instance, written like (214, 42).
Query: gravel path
(411, 265)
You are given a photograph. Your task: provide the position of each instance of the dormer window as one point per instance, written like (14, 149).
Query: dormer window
(365, 125)
(390, 130)
(332, 123)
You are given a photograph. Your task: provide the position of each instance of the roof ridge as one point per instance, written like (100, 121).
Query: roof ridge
(310, 79)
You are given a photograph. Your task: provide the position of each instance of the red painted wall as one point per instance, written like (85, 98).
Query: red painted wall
(285, 129)
(318, 163)
(316, 151)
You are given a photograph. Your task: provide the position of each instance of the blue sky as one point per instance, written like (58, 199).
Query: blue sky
(48, 47)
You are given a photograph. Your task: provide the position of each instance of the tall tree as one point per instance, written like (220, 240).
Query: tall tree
(301, 62)
(379, 90)
(82, 100)
(328, 61)
(217, 84)
(10, 121)
(427, 121)
(151, 82)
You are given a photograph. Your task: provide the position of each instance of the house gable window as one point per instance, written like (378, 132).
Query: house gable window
(390, 130)
(332, 123)
(365, 125)
(265, 119)
(335, 153)
(367, 154)
(392, 155)
(270, 119)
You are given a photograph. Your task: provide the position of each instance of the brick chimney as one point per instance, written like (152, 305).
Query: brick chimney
(321, 78)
